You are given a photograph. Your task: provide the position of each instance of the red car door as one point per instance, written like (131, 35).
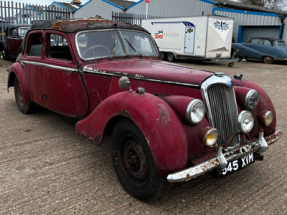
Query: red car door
(13, 42)
(32, 66)
(63, 86)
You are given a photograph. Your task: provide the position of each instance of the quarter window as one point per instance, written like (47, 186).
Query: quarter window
(57, 47)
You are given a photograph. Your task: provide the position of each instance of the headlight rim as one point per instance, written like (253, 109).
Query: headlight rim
(203, 134)
(240, 116)
(188, 110)
(261, 117)
(247, 98)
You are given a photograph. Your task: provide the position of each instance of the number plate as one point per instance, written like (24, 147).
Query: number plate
(238, 164)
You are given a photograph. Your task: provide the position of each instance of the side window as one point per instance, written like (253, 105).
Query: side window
(256, 41)
(57, 47)
(35, 45)
(267, 43)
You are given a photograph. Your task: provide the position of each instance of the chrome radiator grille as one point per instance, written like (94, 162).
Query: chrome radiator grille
(223, 112)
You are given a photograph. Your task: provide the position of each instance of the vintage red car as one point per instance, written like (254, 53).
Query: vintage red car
(11, 45)
(168, 123)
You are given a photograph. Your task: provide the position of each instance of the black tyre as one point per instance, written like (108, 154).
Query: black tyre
(134, 164)
(5, 54)
(22, 105)
(268, 60)
(170, 57)
(162, 55)
(230, 64)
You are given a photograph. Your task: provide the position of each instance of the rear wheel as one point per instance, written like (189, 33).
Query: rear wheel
(162, 54)
(170, 57)
(268, 60)
(134, 164)
(5, 54)
(24, 107)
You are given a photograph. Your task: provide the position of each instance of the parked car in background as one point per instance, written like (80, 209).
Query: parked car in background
(268, 49)
(11, 45)
(168, 123)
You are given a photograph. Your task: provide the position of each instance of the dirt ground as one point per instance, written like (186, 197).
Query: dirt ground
(45, 168)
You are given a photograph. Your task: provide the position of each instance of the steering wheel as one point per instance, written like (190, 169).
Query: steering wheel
(94, 50)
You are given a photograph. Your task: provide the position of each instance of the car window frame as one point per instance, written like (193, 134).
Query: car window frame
(27, 41)
(46, 32)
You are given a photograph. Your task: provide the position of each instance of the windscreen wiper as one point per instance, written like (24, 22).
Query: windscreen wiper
(134, 48)
(114, 47)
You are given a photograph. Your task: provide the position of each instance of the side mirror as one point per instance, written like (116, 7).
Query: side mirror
(124, 83)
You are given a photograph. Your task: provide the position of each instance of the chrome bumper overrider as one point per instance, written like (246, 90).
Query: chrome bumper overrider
(223, 158)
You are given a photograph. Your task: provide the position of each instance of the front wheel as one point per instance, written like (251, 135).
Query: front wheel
(134, 164)
(268, 60)
(24, 107)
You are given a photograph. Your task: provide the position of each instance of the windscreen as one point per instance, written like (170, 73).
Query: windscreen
(138, 43)
(279, 43)
(111, 43)
(22, 31)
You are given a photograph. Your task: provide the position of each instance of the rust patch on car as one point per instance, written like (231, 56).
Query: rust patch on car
(273, 137)
(164, 115)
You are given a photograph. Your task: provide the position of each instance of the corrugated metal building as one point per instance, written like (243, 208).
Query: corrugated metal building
(248, 20)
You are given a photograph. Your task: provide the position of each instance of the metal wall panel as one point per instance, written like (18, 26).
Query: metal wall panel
(173, 8)
(96, 7)
(250, 20)
(163, 8)
(257, 31)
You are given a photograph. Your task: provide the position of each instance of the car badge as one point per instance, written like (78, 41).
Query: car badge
(229, 84)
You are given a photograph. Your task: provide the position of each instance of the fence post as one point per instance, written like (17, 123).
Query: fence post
(2, 26)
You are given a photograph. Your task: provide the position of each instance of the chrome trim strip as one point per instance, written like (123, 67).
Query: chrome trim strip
(139, 78)
(260, 145)
(50, 66)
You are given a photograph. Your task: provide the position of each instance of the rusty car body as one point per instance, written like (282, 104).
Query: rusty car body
(14, 35)
(174, 123)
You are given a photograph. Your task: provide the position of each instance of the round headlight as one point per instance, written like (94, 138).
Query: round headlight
(251, 100)
(245, 121)
(265, 118)
(208, 136)
(195, 111)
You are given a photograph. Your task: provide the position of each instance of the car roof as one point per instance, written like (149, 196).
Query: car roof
(271, 39)
(76, 25)
(18, 25)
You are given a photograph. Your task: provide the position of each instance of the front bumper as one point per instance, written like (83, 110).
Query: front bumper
(207, 166)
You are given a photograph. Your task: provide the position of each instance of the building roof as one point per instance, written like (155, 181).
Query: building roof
(122, 3)
(243, 6)
(72, 8)
(76, 25)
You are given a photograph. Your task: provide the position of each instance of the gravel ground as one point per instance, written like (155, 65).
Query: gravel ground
(45, 168)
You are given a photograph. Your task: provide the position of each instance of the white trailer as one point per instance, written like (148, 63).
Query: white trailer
(197, 38)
